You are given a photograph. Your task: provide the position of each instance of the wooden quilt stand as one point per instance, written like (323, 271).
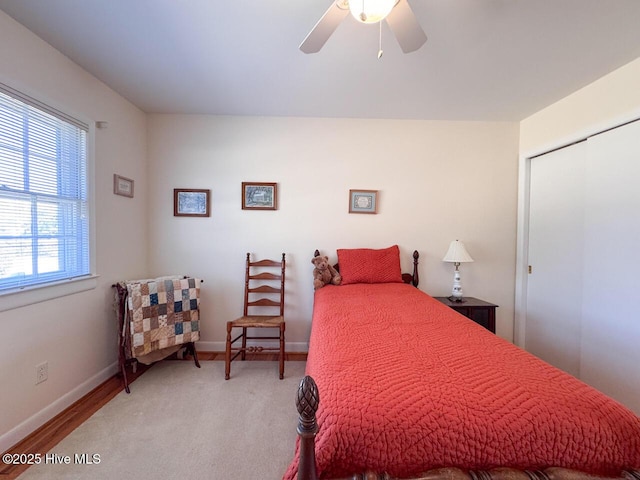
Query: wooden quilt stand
(168, 339)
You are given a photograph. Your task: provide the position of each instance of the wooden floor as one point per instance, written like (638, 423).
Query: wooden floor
(51, 433)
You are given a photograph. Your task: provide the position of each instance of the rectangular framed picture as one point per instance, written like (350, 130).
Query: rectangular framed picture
(191, 202)
(363, 201)
(259, 196)
(122, 186)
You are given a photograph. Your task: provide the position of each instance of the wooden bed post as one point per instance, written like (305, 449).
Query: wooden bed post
(412, 278)
(416, 278)
(307, 401)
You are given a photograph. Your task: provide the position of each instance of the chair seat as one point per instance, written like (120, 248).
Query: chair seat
(258, 321)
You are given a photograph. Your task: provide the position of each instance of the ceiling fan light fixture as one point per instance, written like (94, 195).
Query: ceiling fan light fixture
(371, 11)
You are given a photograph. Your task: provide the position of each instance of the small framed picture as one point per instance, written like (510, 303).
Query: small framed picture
(363, 201)
(259, 196)
(122, 186)
(191, 202)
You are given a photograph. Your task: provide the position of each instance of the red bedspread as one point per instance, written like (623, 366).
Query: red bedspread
(407, 384)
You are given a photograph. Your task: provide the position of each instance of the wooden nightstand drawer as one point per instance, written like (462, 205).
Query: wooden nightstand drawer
(481, 312)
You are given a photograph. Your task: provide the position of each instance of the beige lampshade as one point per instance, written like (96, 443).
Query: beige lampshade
(457, 253)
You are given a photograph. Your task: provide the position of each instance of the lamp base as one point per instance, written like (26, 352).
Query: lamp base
(456, 299)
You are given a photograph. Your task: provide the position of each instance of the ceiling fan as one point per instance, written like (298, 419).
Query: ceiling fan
(397, 13)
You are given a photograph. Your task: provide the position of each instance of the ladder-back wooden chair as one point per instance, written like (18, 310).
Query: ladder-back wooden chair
(263, 308)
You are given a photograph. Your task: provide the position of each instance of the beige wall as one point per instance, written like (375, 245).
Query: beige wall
(76, 333)
(611, 100)
(438, 181)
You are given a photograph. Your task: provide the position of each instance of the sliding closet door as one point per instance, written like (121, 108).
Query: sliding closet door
(584, 251)
(610, 348)
(554, 287)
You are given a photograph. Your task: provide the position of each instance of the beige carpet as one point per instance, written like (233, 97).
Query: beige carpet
(183, 422)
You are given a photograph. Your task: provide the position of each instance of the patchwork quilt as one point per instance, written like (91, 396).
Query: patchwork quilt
(162, 312)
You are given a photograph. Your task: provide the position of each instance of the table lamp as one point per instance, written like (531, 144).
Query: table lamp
(457, 254)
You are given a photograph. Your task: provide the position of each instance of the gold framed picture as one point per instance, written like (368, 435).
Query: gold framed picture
(363, 201)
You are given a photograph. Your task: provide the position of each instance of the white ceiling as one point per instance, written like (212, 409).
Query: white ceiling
(484, 60)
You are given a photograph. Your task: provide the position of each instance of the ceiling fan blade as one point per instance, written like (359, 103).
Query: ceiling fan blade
(324, 28)
(405, 27)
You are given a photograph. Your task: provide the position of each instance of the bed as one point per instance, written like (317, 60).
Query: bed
(400, 386)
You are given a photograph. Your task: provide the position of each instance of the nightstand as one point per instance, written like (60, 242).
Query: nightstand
(481, 312)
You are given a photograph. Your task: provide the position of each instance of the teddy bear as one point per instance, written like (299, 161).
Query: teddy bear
(324, 273)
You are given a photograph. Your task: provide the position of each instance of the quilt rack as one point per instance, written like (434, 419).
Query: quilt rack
(156, 318)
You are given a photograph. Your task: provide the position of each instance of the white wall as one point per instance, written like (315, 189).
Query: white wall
(438, 181)
(75, 334)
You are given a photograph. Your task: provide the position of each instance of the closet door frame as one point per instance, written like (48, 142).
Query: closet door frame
(522, 233)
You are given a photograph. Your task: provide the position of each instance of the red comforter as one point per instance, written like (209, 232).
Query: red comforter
(407, 384)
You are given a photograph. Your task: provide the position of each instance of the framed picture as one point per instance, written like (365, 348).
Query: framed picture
(259, 196)
(363, 201)
(190, 202)
(122, 186)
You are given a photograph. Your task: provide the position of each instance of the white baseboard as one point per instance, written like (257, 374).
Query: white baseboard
(297, 347)
(34, 422)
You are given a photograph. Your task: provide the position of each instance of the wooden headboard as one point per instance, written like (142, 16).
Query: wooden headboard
(409, 278)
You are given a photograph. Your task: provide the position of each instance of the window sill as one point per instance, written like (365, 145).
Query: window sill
(30, 295)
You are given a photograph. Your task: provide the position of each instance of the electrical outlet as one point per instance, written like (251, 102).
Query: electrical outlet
(42, 372)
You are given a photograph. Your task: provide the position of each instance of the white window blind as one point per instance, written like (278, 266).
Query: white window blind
(44, 211)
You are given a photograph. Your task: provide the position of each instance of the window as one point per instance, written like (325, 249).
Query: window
(44, 210)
